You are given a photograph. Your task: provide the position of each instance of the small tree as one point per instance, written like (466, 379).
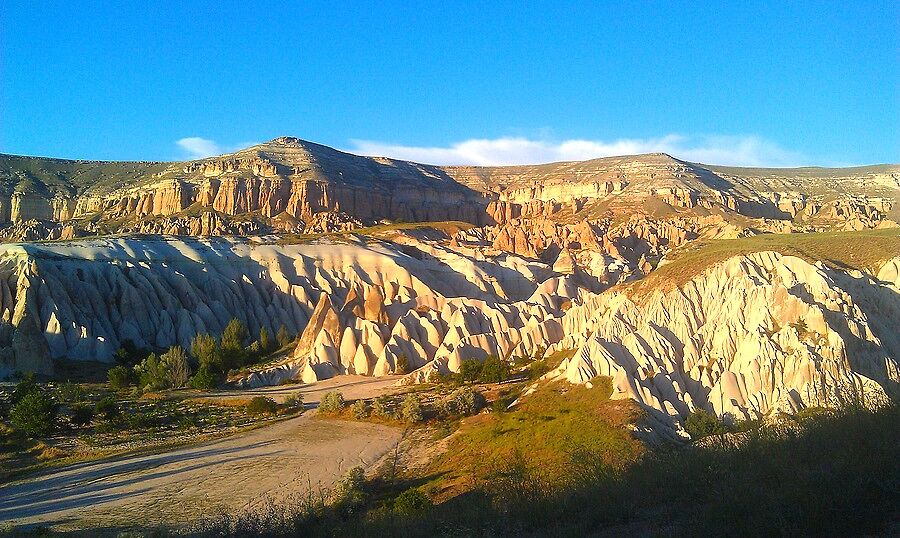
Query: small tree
(494, 370)
(282, 337)
(265, 341)
(470, 370)
(332, 403)
(206, 350)
(402, 365)
(177, 370)
(120, 377)
(411, 410)
(204, 379)
(34, 414)
(234, 335)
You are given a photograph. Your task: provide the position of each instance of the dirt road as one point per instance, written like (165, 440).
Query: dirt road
(273, 463)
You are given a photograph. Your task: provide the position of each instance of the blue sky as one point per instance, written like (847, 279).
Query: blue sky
(732, 83)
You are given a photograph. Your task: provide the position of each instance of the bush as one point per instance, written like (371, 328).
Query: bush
(81, 415)
(70, 393)
(411, 410)
(260, 405)
(380, 407)
(120, 377)
(34, 414)
(359, 409)
(151, 375)
(412, 501)
(465, 401)
(108, 408)
(204, 379)
(24, 387)
(702, 423)
(470, 370)
(294, 401)
(402, 365)
(348, 492)
(494, 370)
(332, 403)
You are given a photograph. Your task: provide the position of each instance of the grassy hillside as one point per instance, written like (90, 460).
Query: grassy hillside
(43, 175)
(865, 251)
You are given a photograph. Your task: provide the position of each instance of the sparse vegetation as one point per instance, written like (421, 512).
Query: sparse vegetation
(331, 403)
(260, 405)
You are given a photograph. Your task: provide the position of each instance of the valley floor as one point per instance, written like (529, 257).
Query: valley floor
(272, 464)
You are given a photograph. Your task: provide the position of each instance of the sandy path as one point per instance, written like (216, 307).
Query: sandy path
(179, 487)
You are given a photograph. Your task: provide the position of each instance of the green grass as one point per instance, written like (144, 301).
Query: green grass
(833, 474)
(546, 427)
(864, 251)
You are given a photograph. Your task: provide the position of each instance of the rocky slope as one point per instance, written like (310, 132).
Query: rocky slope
(292, 180)
(752, 335)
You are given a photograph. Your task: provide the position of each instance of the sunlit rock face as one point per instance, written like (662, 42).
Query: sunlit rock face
(754, 335)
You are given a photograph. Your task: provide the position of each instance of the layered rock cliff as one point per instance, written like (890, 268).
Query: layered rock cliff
(295, 179)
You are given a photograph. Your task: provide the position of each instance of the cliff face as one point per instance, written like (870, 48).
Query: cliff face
(295, 179)
(750, 336)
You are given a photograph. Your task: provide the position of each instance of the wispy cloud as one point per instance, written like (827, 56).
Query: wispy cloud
(199, 148)
(744, 150)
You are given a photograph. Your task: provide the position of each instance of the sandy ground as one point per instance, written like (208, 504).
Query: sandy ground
(275, 463)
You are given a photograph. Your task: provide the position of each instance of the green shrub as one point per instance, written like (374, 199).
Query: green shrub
(348, 493)
(702, 423)
(359, 409)
(332, 403)
(120, 377)
(70, 392)
(380, 407)
(24, 387)
(108, 408)
(470, 370)
(411, 409)
(81, 415)
(204, 379)
(260, 405)
(412, 501)
(464, 401)
(294, 401)
(34, 414)
(151, 375)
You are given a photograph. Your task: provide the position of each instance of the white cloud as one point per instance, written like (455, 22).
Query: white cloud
(199, 148)
(718, 149)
